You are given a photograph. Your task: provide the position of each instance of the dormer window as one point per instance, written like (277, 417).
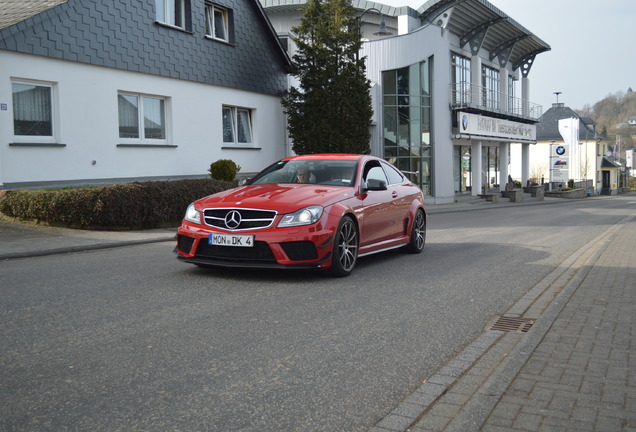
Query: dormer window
(175, 13)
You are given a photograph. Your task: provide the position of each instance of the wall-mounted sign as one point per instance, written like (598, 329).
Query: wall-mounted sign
(478, 125)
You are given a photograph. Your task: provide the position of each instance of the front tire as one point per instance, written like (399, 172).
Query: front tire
(345, 248)
(418, 234)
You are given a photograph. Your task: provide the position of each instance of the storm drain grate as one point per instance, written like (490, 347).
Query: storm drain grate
(510, 324)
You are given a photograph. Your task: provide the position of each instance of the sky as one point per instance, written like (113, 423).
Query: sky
(593, 46)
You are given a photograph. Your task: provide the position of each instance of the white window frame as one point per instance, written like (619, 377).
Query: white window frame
(54, 114)
(211, 12)
(167, 12)
(235, 116)
(142, 139)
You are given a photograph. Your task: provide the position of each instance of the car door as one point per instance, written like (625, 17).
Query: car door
(401, 194)
(380, 220)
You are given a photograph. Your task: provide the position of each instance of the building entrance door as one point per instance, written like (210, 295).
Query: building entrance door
(462, 170)
(606, 183)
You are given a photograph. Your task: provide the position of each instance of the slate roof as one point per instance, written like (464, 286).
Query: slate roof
(607, 163)
(548, 126)
(125, 35)
(15, 11)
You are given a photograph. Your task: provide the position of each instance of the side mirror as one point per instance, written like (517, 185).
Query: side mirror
(244, 181)
(375, 185)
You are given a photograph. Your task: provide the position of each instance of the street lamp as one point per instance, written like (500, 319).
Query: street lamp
(382, 30)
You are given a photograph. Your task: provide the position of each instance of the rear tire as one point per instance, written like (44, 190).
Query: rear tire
(345, 248)
(418, 234)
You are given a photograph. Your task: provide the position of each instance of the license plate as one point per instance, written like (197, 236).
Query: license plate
(231, 240)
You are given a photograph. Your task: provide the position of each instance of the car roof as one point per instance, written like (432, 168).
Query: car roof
(338, 156)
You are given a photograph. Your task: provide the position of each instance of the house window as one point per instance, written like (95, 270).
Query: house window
(284, 42)
(174, 12)
(216, 22)
(237, 125)
(142, 119)
(33, 111)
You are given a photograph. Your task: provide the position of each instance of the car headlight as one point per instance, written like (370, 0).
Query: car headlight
(193, 215)
(305, 216)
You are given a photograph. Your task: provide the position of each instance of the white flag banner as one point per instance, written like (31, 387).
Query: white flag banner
(569, 130)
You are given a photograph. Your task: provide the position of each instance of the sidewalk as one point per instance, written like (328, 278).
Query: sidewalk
(19, 240)
(568, 365)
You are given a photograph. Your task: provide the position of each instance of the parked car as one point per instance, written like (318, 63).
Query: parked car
(306, 212)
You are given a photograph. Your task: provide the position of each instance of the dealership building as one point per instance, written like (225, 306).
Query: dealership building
(450, 89)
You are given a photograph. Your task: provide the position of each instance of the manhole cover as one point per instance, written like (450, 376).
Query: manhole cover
(510, 324)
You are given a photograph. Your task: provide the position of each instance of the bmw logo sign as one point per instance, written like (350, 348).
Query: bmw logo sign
(465, 122)
(560, 150)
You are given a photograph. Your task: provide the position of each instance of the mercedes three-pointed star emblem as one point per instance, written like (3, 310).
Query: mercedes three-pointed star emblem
(233, 219)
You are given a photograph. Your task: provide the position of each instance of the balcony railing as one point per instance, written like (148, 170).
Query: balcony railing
(465, 95)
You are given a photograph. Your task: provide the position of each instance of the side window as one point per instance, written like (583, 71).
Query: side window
(142, 118)
(374, 171)
(217, 21)
(393, 174)
(175, 13)
(237, 125)
(33, 115)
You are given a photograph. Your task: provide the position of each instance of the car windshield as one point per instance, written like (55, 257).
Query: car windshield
(321, 172)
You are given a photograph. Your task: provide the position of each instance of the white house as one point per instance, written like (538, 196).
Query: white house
(588, 164)
(104, 92)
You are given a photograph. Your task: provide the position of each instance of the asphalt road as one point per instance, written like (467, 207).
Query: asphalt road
(131, 339)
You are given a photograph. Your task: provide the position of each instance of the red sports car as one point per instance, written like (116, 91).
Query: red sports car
(306, 212)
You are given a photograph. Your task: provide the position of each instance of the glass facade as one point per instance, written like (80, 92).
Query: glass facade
(407, 121)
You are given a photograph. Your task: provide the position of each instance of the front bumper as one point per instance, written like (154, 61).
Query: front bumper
(292, 248)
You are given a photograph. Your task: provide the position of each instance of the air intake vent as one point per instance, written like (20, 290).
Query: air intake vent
(510, 324)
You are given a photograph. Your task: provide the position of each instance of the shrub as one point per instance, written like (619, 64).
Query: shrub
(224, 169)
(128, 206)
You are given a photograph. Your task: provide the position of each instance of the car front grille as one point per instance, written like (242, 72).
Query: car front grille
(238, 219)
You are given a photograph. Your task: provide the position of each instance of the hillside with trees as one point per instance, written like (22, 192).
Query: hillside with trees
(612, 117)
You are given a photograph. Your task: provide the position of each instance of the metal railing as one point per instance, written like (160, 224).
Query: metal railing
(467, 95)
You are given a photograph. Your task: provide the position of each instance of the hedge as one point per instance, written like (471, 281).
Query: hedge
(128, 206)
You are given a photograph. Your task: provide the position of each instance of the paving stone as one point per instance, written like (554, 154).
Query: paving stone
(579, 375)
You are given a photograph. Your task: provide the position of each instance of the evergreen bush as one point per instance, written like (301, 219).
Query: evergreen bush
(224, 169)
(127, 206)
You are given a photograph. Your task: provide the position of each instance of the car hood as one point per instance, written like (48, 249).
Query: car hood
(284, 198)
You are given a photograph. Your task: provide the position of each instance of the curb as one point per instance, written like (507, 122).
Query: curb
(83, 248)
